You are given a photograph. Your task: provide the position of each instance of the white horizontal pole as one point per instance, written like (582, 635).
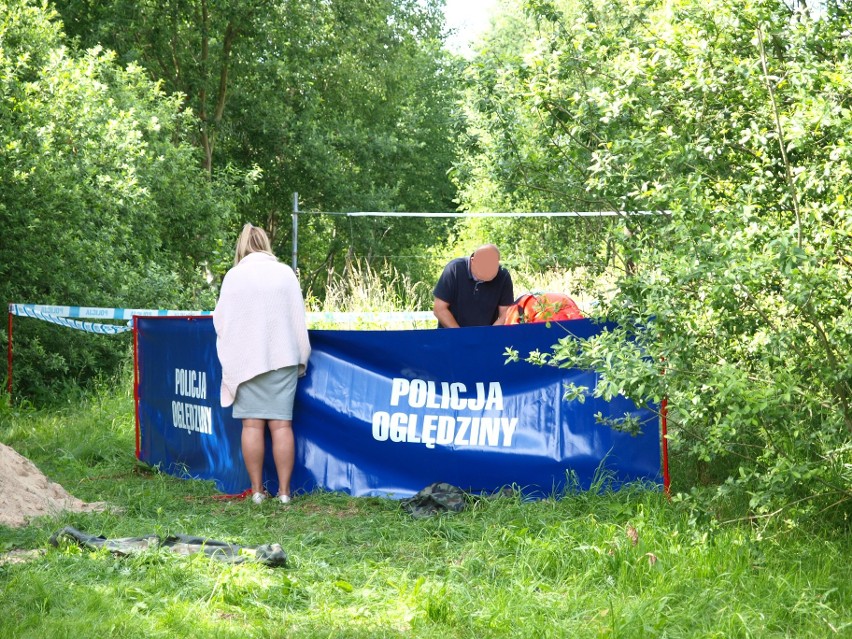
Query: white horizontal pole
(461, 215)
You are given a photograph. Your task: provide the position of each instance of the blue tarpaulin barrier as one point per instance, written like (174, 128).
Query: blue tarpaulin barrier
(390, 412)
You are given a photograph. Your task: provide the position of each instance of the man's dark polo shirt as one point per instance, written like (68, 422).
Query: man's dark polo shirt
(473, 303)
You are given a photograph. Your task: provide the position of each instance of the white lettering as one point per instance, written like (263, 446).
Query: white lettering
(432, 395)
(446, 430)
(412, 436)
(398, 389)
(489, 432)
(509, 426)
(381, 426)
(429, 430)
(495, 397)
(421, 393)
(445, 394)
(398, 427)
(474, 431)
(456, 401)
(433, 429)
(192, 417)
(479, 402)
(191, 383)
(461, 431)
(417, 396)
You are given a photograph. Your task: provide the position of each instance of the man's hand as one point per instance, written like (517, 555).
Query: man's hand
(441, 309)
(502, 311)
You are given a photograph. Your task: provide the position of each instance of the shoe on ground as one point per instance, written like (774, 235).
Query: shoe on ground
(258, 498)
(284, 499)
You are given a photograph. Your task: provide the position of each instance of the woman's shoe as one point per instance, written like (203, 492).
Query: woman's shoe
(284, 499)
(258, 498)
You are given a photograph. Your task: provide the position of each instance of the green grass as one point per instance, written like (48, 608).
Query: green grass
(630, 564)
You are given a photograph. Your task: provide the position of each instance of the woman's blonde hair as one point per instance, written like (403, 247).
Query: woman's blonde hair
(252, 239)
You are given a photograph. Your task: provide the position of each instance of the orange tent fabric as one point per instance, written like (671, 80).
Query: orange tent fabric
(544, 307)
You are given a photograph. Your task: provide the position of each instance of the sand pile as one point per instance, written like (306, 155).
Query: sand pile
(25, 492)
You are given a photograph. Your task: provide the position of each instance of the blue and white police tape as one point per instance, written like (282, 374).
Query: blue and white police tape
(89, 312)
(89, 327)
(69, 316)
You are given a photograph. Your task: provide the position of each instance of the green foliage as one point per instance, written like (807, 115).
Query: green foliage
(521, 152)
(350, 104)
(128, 147)
(734, 118)
(101, 204)
(592, 564)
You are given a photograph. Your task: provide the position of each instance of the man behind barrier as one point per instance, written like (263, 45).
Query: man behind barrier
(473, 290)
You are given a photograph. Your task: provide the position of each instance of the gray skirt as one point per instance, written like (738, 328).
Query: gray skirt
(270, 395)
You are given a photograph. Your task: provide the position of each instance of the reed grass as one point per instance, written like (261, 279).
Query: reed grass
(367, 288)
(364, 288)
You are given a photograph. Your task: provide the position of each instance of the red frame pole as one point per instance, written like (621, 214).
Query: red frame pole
(664, 411)
(664, 421)
(9, 350)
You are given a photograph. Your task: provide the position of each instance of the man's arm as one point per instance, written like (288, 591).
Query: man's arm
(441, 309)
(507, 299)
(501, 315)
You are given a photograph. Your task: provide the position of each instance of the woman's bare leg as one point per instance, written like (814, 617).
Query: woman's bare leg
(283, 451)
(253, 449)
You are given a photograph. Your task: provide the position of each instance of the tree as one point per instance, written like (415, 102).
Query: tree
(734, 118)
(350, 104)
(194, 47)
(523, 151)
(101, 204)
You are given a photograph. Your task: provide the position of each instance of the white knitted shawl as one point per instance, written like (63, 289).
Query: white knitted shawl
(260, 322)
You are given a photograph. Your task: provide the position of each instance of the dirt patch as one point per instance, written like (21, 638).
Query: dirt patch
(18, 556)
(25, 492)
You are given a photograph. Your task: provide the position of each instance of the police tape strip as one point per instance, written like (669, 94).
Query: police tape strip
(90, 312)
(69, 316)
(89, 327)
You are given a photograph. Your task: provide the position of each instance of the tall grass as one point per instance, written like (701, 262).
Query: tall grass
(366, 288)
(363, 288)
(610, 564)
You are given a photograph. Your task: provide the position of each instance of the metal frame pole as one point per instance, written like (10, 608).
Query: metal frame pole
(295, 229)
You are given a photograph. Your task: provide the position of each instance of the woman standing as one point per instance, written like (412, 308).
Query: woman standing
(262, 343)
